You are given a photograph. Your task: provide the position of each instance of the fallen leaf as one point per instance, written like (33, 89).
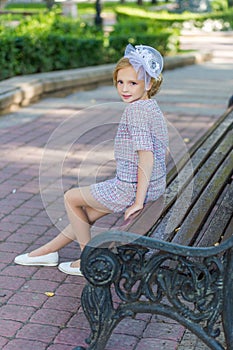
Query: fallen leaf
(49, 294)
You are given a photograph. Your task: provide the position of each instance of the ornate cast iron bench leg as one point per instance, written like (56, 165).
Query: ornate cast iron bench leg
(102, 269)
(193, 286)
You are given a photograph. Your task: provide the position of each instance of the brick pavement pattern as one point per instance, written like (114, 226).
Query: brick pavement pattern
(192, 99)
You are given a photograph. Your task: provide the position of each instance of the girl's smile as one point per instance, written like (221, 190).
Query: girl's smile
(129, 87)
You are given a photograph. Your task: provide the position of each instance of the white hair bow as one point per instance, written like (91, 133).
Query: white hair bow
(147, 62)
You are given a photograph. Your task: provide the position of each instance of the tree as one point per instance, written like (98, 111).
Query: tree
(98, 18)
(49, 4)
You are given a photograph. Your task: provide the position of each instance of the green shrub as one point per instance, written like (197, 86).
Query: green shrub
(162, 18)
(129, 27)
(8, 61)
(142, 32)
(68, 52)
(219, 5)
(168, 20)
(37, 24)
(43, 43)
(26, 6)
(165, 42)
(26, 55)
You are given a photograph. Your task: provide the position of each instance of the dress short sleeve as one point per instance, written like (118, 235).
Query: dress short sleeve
(140, 127)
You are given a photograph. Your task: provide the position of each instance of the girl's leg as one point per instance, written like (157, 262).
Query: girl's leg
(83, 210)
(60, 241)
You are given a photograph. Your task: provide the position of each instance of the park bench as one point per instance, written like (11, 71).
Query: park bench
(183, 267)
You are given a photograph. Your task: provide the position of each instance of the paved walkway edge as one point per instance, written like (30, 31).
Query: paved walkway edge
(23, 90)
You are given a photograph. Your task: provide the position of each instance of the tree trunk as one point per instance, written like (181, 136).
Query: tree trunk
(49, 4)
(98, 18)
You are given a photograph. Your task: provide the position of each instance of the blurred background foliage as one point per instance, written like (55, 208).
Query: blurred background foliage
(37, 37)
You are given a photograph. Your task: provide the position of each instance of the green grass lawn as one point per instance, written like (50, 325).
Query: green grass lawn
(83, 7)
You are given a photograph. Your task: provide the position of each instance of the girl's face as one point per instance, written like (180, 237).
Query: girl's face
(129, 87)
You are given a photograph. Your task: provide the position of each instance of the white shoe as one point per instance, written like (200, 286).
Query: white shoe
(67, 268)
(43, 260)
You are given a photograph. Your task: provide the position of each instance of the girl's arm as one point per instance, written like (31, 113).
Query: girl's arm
(145, 167)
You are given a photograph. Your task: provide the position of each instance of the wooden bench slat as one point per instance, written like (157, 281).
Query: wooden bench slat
(166, 227)
(229, 230)
(198, 158)
(152, 211)
(203, 152)
(219, 222)
(205, 144)
(204, 204)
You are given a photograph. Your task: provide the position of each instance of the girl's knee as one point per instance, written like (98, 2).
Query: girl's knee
(69, 195)
(80, 197)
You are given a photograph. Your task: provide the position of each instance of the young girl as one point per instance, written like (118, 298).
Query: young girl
(140, 150)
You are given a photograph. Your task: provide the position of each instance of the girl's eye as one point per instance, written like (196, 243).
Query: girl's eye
(119, 82)
(133, 83)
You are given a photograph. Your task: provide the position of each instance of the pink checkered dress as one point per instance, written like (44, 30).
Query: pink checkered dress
(142, 127)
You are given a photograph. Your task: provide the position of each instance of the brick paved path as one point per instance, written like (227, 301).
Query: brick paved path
(192, 98)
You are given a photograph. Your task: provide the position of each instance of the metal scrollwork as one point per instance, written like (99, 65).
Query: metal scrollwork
(188, 289)
(192, 288)
(101, 267)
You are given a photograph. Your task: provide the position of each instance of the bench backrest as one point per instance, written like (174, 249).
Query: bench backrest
(195, 186)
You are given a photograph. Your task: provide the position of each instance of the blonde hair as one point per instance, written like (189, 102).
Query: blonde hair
(124, 63)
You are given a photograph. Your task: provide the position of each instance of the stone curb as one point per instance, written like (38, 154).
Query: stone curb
(22, 90)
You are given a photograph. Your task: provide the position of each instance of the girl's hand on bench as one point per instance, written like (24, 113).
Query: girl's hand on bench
(133, 211)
